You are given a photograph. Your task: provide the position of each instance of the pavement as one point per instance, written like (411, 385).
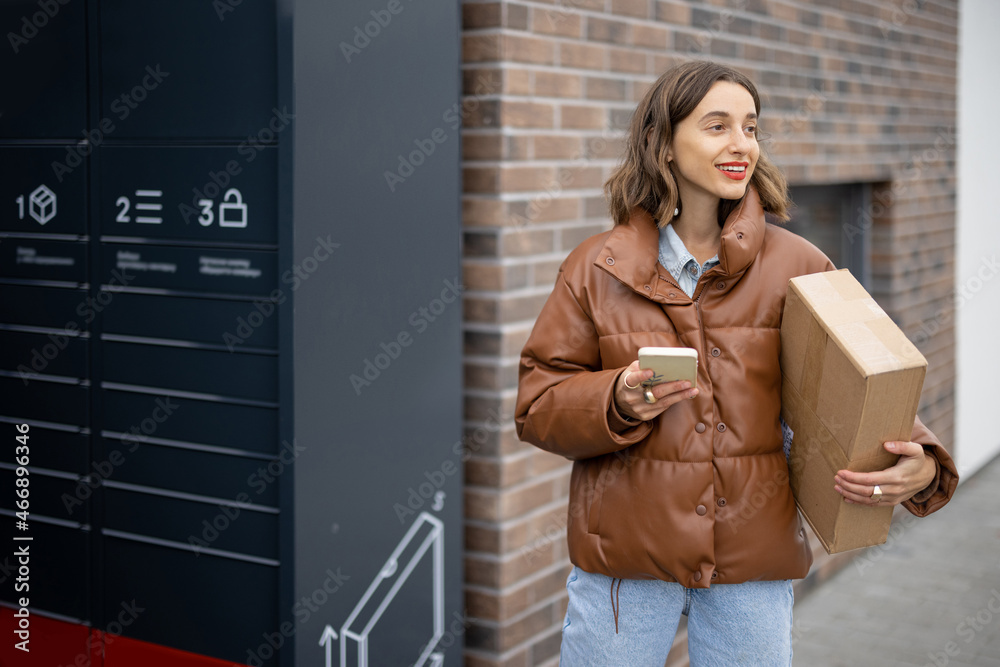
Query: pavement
(929, 597)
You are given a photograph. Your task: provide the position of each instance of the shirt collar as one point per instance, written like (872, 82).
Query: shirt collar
(630, 250)
(674, 255)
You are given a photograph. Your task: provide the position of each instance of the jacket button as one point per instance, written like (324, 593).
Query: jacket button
(739, 235)
(610, 261)
(720, 285)
(647, 287)
(721, 502)
(701, 510)
(699, 427)
(697, 576)
(673, 295)
(716, 351)
(715, 575)
(721, 427)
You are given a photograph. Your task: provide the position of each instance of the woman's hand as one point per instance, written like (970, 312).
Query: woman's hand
(630, 397)
(911, 474)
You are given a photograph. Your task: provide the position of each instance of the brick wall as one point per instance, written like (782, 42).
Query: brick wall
(853, 90)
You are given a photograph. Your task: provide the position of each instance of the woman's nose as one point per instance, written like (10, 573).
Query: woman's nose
(740, 142)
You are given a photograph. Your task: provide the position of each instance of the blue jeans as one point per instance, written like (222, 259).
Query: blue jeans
(728, 624)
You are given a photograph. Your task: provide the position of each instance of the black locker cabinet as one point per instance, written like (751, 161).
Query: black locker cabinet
(198, 250)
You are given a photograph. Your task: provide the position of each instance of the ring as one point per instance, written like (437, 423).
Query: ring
(627, 385)
(648, 395)
(877, 494)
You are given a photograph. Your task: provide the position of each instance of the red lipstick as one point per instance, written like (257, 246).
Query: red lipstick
(737, 171)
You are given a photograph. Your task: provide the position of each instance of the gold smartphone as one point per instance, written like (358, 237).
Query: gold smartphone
(669, 364)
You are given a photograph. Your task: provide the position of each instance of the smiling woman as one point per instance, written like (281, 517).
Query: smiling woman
(660, 475)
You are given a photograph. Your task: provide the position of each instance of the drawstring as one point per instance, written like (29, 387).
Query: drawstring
(615, 605)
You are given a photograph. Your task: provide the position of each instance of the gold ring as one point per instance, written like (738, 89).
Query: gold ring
(877, 494)
(648, 395)
(627, 385)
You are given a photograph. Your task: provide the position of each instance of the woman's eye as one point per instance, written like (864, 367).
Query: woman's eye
(716, 127)
(752, 129)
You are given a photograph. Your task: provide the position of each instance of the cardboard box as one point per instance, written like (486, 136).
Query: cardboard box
(850, 382)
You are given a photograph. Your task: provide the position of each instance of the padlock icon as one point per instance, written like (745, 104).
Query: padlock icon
(232, 213)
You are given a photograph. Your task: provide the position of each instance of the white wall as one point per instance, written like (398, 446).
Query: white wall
(977, 276)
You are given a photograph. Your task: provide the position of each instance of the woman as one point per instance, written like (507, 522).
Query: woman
(655, 528)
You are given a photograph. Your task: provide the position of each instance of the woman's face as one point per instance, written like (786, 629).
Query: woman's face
(714, 149)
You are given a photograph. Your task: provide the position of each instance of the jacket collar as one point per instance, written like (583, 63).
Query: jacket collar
(631, 251)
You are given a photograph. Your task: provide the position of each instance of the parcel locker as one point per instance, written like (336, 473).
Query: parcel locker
(198, 250)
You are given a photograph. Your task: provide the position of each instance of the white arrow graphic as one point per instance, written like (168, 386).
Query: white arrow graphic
(329, 636)
(425, 535)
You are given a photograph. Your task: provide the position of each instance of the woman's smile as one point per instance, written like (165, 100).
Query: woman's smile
(734, 170)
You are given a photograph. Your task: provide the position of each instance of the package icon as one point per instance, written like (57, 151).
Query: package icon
(42, 204)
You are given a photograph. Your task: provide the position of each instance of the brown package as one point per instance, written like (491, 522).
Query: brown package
(850, 381)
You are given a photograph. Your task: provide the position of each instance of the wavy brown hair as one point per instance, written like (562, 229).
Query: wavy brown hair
(645, 177)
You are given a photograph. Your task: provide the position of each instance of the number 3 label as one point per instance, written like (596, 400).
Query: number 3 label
(207, 217)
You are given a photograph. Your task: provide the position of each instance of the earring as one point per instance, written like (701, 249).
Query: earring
(677, 212)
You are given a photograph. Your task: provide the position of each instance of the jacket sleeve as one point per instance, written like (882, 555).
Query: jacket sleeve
(564, 395)
(942, 487)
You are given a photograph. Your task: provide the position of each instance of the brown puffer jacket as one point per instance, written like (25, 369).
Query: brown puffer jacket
(670, 498)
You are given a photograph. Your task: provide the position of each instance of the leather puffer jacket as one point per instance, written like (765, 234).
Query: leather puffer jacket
(670, 498)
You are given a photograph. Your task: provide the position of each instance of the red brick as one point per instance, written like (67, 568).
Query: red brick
(603, 88)
(607, 30)
(556, 146)
(628, 60)
(479, 211)
(526, 114)
(565, 22)
(480, 15)
(480, 179)
(519, 179)
(636, 8)
(677, 12)
(517, 81)
(476, 48)
(482, 146)
(524, 49)
(586, 56)
(516, 16)
(650, 36)
(544, 207)
(556, 84)
(579, 117)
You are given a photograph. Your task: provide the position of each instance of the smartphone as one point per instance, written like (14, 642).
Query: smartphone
(669, 364)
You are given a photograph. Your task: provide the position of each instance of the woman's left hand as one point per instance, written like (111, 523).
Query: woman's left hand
(911, 474)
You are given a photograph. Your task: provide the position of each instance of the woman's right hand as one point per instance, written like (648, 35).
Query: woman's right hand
(631, 402)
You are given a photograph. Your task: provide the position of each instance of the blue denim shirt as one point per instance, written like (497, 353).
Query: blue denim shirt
(681, 264)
